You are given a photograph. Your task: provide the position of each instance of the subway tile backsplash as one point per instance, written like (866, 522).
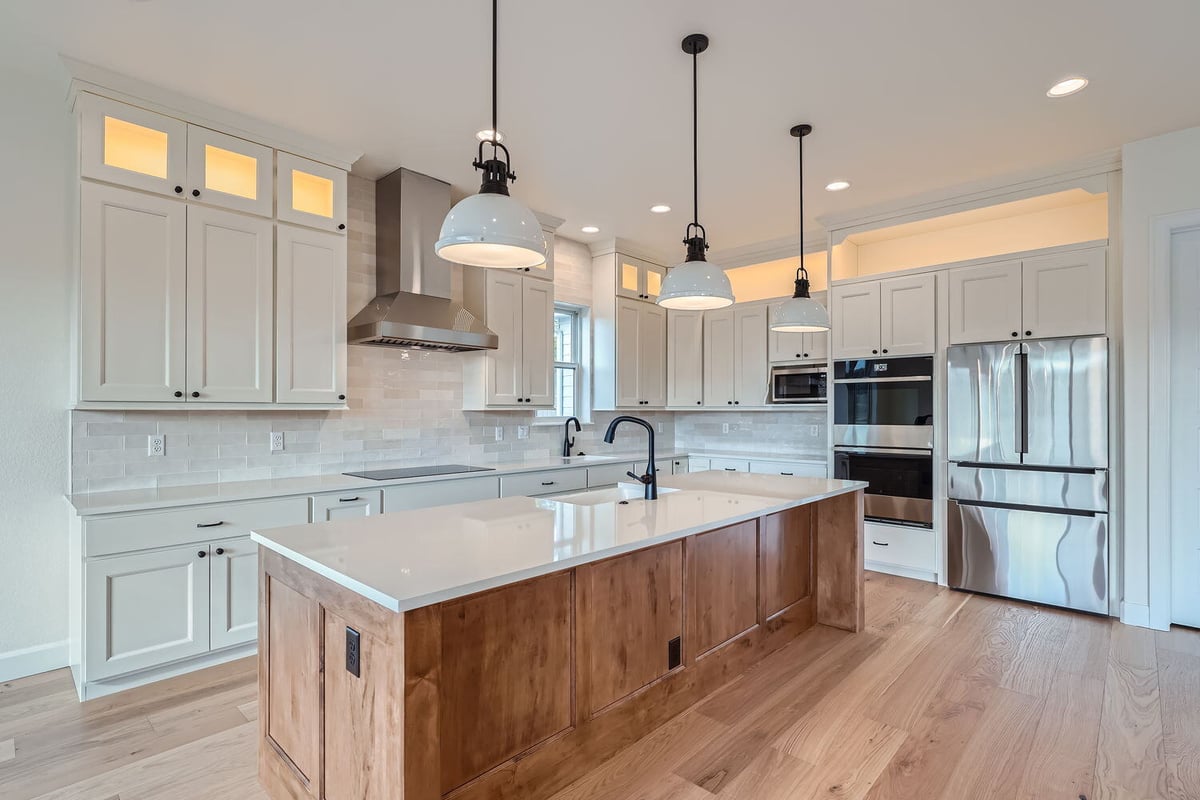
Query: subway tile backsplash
(404, 409)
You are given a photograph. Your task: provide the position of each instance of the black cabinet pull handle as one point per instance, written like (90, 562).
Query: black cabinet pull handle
(549, 483)
(178, 190)
(342, 227)
(203, 554)
(347, 499)
(179, 394)
(731, 469)
(195, 192)
(195, 394)
(881, 544)
(790, 474)
(220, 551)
(216, 524)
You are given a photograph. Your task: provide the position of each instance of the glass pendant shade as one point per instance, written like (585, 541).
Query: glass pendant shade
(695, 286)
(492, 230)
(800, 315)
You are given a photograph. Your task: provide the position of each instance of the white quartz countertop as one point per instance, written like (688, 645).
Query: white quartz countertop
(131, 500)
(411, 559)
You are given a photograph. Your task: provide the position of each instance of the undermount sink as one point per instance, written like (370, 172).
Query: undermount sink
(622, 492)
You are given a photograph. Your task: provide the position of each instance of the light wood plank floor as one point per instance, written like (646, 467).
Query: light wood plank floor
(945, 696)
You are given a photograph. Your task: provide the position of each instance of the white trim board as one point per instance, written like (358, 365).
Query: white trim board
(33, 660)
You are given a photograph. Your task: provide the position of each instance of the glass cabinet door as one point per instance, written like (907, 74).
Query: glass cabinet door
(652, 281)
(311, 193)
(637, 279)
(226, 171)
(131, 146)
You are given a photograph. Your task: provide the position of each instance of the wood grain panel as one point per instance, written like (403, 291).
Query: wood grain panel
(506, 677)
(294, 677)
(785, 561)
(630, 608)
(721, 586)
(839, 589)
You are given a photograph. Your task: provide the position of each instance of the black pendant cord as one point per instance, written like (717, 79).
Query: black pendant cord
(497, 172)
(696, 238)
(495, 92)
(800, 131)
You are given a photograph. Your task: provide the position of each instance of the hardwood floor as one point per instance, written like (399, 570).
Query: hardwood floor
(945, 696)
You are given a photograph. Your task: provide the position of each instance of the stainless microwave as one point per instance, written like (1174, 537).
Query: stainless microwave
(799, 384)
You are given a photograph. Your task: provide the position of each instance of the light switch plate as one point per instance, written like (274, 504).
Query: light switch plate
(522, 431)
(499, 433)
(156, 444)
(724, 427)
(814, 430)
(276, 441)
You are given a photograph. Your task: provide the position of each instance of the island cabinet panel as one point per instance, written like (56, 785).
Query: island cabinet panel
(839, 589)
(506, 680)
(630, 609)
(293, 712)
(785, 543)
(721, 578)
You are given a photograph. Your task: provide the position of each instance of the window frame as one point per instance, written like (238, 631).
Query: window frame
(579, 316)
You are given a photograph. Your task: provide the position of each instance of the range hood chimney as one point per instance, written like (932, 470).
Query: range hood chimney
(412, 306)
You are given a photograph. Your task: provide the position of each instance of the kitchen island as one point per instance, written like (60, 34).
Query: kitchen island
(502, 648)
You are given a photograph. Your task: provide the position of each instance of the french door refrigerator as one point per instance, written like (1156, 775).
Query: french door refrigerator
(1027, 442)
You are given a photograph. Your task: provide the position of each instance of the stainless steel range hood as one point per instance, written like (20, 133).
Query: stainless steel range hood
(412, 306)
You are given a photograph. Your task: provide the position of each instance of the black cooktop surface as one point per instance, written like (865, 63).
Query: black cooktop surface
(415, 472)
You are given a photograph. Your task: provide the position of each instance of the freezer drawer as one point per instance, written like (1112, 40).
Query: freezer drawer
(1058, 559)
(1075, 490)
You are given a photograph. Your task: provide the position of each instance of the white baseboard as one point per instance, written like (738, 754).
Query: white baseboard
(1138, 615)
(903, 572)
(33, 660)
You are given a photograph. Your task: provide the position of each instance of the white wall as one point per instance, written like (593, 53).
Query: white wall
(35, 252)
(1161, 176)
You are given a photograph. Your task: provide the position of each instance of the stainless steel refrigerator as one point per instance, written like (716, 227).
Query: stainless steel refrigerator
(1027, 442)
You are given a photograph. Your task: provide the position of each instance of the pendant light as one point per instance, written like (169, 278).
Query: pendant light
(491, 229)
(695, 284)
(801, 313)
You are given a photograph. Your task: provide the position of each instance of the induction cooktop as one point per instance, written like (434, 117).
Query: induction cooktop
(415, 472)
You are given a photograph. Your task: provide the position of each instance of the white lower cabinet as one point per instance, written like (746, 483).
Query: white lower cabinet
(346, 505)
(695, 464)
(900, 550)
(145, 609)
(439, 493)
(551, 481)
(233, 593)
(729, 464)
(800, 469)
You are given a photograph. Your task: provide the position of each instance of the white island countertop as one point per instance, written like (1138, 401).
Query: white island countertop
(410, 559)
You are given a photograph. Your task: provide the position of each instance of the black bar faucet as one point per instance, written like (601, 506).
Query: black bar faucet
(650, 479)
(568, 442)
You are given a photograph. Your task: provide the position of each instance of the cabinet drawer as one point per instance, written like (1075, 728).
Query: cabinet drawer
(729, 464)
(439, 493)
(153, 529)
(609, 474)
(800, 469)
(346, 505)
(698, 464)
(532, 484)
(904, 547)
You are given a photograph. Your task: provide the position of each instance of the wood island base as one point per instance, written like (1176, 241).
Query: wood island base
(517, 691)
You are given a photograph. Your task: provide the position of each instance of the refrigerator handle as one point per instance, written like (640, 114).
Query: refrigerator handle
(1022, 392)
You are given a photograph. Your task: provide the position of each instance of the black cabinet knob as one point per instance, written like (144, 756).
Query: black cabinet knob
(1029, 333)
(1016, 334)
(874, 352)
(195, 192)
(179, 394)
(699, 402)
(737, 402)
(341, 397)
(885, 349)
(806, 355)
(220, 551)
(342, 227)
(178, 190)
(798, 355)
(729, 402)
(195, 394)
(203, 554)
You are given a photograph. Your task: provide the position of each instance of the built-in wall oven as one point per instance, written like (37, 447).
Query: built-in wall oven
(900, 482)
(886, 402)
(799, 384)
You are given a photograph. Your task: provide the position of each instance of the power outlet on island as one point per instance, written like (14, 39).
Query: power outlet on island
(276, 441)
(156, 445)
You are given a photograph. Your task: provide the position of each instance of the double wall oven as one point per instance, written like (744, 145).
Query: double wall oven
(883, 434)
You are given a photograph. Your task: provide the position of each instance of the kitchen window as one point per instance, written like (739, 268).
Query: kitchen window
(568, 364)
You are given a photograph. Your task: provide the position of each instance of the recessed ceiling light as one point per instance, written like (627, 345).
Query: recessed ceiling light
(1067, 86)
(486, 135)
(590, 229)
(837, 186)
(660, 208)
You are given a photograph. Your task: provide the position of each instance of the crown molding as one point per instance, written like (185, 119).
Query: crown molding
(815, 241)
(115, 86)
(549, 221)
(606, 247)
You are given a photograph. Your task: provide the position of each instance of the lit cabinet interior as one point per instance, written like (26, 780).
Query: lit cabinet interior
(131, 146)
(227, 171)
(311, 193)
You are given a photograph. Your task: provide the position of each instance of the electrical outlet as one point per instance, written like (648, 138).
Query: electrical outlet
(156, 445)
(814, 430)
(522, 431)
(724, 427)
(499, 433)
(276, 441)
(353, 652)
(660, 427)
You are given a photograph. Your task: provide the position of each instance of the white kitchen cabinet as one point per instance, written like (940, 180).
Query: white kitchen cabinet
(233, 592)
(729, 464)
(907, 318)
(697, 464)
(230, 307)
(1064, 294)
(985, 302)
(638, 279)
(226, 171)
(519, 309)
(799, 469)
(310, 302)
(787, 346)
(551, 481)
(439, 493)
(347, 505)
(685, 358)
(854, 314)
(719, 351)
(735, 356)
(133, 295)
(145, 609)
(310, 193)
(641, 373)
(899, 550)
(130, 146)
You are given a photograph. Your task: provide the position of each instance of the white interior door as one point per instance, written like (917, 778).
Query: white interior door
(1185, 428)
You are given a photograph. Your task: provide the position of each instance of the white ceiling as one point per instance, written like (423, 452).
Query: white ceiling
(905, 96)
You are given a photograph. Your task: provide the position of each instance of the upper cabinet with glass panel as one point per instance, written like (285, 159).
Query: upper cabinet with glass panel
(311, 193)
(230, 172)
(638, 279)
(130, 146)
